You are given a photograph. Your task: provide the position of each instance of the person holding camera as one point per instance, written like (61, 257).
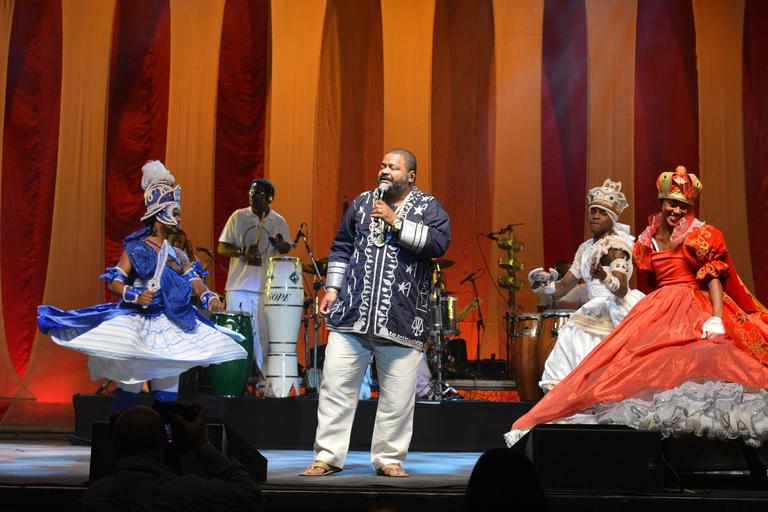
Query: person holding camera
(142, 480)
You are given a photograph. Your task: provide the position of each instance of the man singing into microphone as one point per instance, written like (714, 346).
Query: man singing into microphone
(251, 236)
(376, 304)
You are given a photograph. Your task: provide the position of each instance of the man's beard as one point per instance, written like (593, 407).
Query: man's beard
(397, 189)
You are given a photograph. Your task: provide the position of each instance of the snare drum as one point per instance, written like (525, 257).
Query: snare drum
(551, 322)
(525, 355)
(283, 305)
(231, 378)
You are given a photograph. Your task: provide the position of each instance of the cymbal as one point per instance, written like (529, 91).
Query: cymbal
(322, 266)
(445, 263)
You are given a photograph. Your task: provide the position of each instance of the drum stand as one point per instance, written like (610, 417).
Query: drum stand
(317, 284)
(437, 333)
(511, 332)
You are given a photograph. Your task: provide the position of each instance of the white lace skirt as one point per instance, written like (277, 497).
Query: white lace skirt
(590, 325)
(716, 410)
(136, 348)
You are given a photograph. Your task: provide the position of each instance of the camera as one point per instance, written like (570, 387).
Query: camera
(166, 410)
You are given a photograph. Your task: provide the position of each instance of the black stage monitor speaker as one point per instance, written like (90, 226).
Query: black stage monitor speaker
(220, 435)
(609, 458)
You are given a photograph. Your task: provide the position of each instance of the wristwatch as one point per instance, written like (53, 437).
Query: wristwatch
(397, 224)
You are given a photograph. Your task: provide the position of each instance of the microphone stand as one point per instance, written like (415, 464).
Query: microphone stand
(305, 322)
(480, 322)
(317, 284)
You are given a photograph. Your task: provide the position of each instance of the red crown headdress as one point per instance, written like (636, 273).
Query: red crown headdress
(679, 185)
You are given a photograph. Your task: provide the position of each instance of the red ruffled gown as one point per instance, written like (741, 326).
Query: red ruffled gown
(654, 372)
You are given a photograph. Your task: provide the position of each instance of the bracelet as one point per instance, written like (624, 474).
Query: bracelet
(131, 294)
(206, 298)
(114, 274)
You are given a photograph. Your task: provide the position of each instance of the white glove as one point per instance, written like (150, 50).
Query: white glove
(712, 327)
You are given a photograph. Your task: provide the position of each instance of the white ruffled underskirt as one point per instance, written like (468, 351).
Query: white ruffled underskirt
(720, 411)
(575, 342)
(136, 348)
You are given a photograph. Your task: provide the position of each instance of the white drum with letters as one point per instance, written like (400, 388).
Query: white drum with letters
(283, 304)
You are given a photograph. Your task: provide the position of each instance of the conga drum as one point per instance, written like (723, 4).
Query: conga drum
(525, 356)
(231, 378)
(551, 322)
(283, 305)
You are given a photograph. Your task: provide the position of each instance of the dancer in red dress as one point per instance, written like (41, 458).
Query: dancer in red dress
(691, 357)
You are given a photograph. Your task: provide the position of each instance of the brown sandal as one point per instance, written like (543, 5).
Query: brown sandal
(392, 470)
(319, 468)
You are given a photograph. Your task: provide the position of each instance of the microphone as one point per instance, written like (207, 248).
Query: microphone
(300, 234)
(205, 250)
(382, 189)
(494, 235)
(470, 276)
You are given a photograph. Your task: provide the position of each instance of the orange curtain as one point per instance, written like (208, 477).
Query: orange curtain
(407, 27)
(719, 46)
(516, 185)
(611, 97)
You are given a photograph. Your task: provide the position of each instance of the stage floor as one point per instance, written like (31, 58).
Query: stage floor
(46, 464)
(51, 474)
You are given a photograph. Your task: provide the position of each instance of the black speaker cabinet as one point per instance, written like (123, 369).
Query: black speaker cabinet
(220, 435)
(595, 457)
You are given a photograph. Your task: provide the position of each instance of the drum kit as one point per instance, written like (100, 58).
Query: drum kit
(530, 336)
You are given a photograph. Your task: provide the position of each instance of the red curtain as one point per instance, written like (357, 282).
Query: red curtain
(563, 128)
(138, 112)
(756, 138)
(666, 100)
(30, 146)
(241, 110)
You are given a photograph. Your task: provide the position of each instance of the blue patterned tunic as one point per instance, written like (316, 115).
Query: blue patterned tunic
(384, 291)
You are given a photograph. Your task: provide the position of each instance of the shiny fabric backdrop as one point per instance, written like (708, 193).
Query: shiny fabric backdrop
(513, 108)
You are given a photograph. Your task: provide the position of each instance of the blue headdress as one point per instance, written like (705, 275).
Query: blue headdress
(160, 196)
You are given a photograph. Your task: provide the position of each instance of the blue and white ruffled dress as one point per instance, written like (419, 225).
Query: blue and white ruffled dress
(131, 344)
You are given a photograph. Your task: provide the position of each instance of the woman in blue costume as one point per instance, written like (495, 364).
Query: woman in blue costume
(153, 333)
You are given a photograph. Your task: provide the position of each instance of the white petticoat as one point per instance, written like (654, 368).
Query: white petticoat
(589, 325)
(136, 348)
(716, 410)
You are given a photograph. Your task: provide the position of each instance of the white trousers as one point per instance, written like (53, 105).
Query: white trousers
(252, 303)
(346, 359)
(423, 377)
